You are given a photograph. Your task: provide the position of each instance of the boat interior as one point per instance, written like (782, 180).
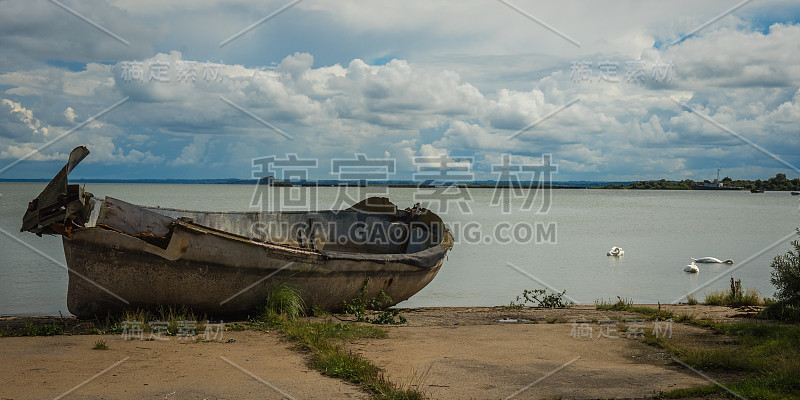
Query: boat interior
(374, 225)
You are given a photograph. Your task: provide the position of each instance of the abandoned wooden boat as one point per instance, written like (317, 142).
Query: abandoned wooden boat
(120, 255)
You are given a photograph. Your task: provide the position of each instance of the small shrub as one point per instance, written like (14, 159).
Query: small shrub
(786, 279)
(786, 275)
(359, 305)
(541, 299)
(691, 300)
(100, 345)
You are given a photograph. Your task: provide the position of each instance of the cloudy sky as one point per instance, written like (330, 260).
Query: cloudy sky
(186, 90)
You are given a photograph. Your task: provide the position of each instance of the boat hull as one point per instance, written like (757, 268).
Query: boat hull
(124, 256)
(219, 275)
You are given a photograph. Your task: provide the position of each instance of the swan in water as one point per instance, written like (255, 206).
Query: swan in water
(691, 268)
(712, 260)
(616, 251)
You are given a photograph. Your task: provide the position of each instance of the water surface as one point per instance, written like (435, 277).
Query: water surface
(659, 231)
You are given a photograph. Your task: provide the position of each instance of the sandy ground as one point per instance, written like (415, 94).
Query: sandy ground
(527, 361)
(48, 367)
(457, 353)
(583, 353)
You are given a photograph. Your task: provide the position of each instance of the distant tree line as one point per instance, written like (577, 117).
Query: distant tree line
(776, 183)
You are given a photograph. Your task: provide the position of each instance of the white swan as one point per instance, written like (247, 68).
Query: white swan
(712, 260)
(691, 268)
(616, 252)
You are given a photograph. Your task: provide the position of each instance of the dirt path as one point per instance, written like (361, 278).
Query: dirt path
(47, 367)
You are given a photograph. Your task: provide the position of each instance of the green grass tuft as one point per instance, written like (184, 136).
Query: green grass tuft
(30, 329)
(627, 305)
(284, 303)
(324, 342)
(318, 332)
(620, 305)
(684, 318)
(168, 321)
(100, 345)
(716, 298)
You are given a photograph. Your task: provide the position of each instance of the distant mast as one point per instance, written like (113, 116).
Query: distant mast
(716, 184)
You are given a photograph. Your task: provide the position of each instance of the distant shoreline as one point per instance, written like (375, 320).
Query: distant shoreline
(399, 184)
(777, 183)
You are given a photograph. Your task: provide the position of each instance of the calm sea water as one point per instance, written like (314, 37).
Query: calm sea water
(659, 231)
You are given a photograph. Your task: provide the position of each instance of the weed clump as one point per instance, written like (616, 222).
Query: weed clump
(736, 297)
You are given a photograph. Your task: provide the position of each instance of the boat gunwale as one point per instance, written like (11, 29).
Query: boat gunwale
(158, 208)
(330, 254)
